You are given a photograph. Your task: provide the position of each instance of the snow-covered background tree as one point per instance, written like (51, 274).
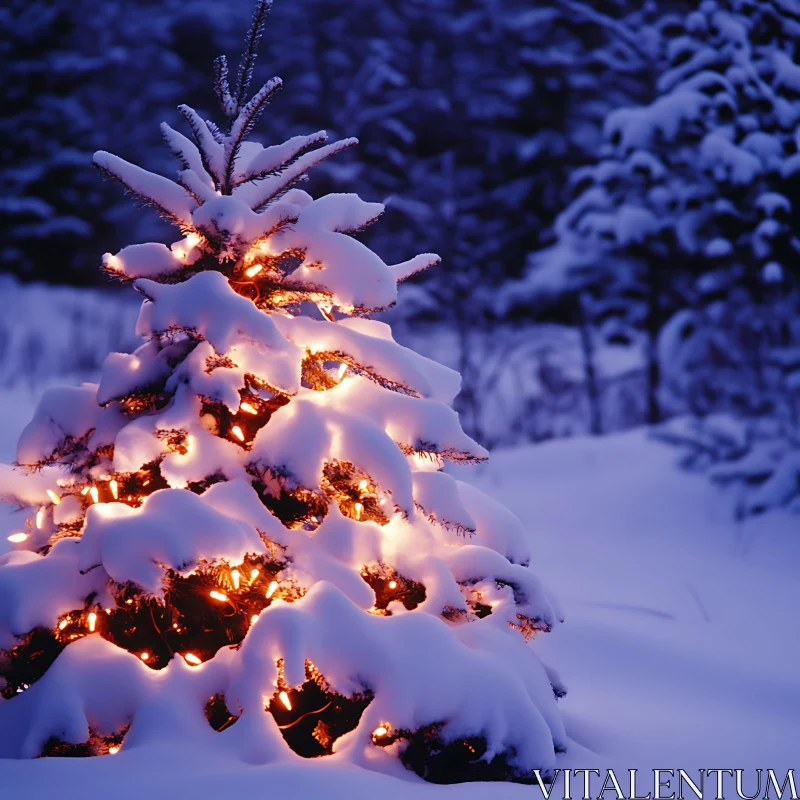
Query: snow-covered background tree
(681, 240)
(692, 199)
(244, 536)
(71, 75)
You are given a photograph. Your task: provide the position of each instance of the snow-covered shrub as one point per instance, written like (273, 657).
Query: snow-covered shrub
(757, 461)
(243, 537)
(735, 366)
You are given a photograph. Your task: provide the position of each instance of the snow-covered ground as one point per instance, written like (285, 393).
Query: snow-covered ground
(680, 648)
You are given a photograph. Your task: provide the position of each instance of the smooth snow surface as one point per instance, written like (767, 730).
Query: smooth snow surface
(679, 650)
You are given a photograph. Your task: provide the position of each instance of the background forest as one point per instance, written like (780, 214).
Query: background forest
(612, 186)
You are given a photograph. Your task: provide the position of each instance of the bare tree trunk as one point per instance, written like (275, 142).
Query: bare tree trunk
(589, 371)
(653, 327)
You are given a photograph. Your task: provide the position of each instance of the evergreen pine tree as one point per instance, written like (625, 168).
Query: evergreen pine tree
(693, 198)
(245, 527)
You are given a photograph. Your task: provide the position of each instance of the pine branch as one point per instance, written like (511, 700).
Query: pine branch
(431, 450)
(414, 265)
(249, 54)
(622, 32)
(274, 225)
(274, 187)
(359, 368)
(196, 187)
(448, 525)
(167, 197)
(185, 152)
(278, 157)
(219, 136)
(243, 126)
(222, 88)
(211, 152)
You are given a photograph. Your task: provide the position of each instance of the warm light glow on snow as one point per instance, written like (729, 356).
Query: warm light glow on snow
(92, 618)
(218, 596)
(271, 590)
(237, 432)
(284, 698)
(113, 262)
(17, 537)
(54, 497)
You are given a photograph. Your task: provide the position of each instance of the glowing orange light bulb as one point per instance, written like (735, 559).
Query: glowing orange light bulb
(191, 658)
(54, 497)
(284, 698)
(40, 518)
(381, 730)
(114, 488)
(112, 751)
(392, 584)
(94, 493)
(253, 271)
(271, 589)
(237, 432)
(145, 656)
(218, 596)
(248, 408)
(92, 618)
(17, 537)
(235, 578)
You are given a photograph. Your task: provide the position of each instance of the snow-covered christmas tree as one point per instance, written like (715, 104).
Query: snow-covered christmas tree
(243, 537)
